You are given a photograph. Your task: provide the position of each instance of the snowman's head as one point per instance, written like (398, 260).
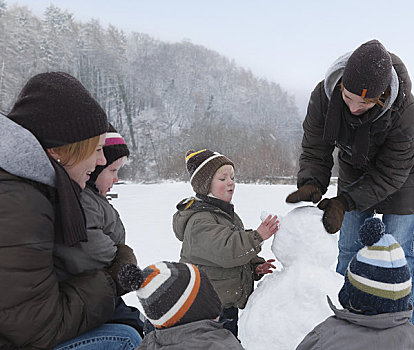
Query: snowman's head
(302, 237)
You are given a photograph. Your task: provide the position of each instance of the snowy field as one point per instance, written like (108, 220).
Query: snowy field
(286, 304)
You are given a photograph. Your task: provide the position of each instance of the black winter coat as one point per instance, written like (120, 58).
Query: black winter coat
(386, 184)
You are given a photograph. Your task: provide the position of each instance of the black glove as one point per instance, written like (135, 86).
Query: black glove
(335, 209)
(309, 192)
(124, 255)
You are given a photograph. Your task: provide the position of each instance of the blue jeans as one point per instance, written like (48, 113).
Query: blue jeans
(400, 226)
(109, 336)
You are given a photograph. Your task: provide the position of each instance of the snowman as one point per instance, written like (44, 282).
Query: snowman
(291, 301)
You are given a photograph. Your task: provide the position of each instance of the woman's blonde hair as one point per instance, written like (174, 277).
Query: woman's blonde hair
(380, 100)
(77, 151)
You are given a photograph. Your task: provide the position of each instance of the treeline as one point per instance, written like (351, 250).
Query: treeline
(165, 98)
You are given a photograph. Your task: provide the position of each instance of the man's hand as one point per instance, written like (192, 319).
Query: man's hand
(334, 211)
(307, 193)
(265, 268)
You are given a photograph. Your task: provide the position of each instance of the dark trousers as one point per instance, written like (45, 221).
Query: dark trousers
(230, 316)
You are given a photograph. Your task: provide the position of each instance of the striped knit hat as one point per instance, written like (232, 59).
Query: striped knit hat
(378, 279)
(115, 147)
(172, 294)
(202, 165)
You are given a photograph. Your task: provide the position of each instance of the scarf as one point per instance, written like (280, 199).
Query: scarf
(70, 217)
(339, 117)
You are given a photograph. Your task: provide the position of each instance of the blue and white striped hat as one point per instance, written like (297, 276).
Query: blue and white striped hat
(378, 279)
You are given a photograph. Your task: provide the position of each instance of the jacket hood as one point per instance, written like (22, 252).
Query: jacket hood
(336, 70)
(22, 155)
(380, 321)
(185, 210)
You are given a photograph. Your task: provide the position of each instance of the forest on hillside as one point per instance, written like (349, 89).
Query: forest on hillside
(164, 98)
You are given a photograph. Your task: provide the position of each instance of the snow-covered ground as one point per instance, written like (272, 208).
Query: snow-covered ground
(286, 304)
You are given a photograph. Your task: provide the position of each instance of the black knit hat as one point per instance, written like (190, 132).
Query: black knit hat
(172, 294)
(202, 165)
(368, 71)
(114, 148)
(378, 279)
(58, 110)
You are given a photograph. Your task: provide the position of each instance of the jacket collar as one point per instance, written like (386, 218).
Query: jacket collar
(226, 207)
(380, 321)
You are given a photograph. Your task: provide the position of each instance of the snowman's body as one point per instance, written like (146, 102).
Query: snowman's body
(289, 303)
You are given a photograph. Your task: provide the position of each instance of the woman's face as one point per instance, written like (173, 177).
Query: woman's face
(355, 103)
(81, 172)
(109, 176)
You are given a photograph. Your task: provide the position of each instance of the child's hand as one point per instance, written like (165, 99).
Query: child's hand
(268, 227)
(265, 268)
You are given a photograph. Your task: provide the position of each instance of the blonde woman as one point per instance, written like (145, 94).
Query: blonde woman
(51, 142)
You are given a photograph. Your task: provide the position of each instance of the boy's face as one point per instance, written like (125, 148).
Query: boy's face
(222, 185)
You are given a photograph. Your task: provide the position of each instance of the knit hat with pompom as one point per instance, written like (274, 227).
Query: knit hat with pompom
(378, 279)
(202, 165)
(172, 294)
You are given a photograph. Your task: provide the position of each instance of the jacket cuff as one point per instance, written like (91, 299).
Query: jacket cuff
(347, 201)
(314, 182)
(257, 237)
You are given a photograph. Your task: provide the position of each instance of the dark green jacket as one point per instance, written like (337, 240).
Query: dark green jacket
(218, 243)
(386, 184)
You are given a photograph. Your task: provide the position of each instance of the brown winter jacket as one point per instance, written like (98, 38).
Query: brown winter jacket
(387, 183)
(346, 330)
(36, 311)
(219, 245)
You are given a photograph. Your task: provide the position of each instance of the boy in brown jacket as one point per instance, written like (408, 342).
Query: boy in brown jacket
(214, 237)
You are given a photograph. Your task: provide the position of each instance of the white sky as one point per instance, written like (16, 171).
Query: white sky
(289, 42)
